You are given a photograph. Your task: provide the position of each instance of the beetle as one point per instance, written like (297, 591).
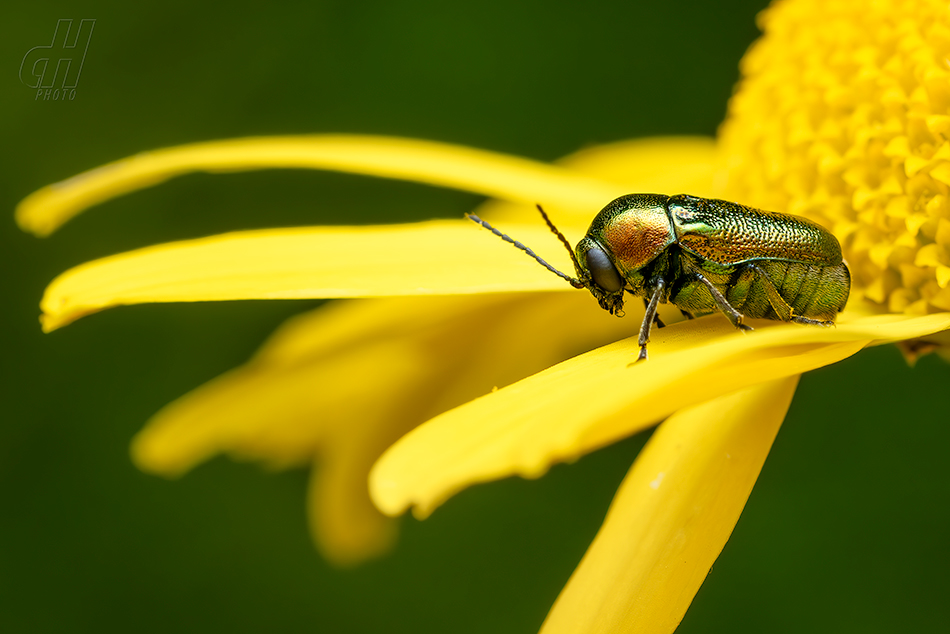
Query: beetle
(703, 255)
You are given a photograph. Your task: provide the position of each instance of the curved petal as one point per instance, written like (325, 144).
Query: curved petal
(428, 258)
(220, 415)
(672, 515)
(345, 525)
(599, 397)
(662, 165)
(304, 396)
(666, 165)
(279, 414)
(480, 171)
(311, 376)
(282, 264)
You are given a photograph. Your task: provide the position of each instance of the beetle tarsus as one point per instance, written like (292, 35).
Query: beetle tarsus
(812, 322)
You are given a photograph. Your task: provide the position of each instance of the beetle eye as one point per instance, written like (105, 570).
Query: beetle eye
(603, 271)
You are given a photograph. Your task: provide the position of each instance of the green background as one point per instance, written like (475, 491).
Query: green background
(847, 528)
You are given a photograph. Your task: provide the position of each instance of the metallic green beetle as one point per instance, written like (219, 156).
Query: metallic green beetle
(702, 255)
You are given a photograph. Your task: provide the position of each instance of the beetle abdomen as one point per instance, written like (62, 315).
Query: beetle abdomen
(812, 291)
(765, 289)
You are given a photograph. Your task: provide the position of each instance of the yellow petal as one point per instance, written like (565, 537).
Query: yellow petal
(278, 414)
(345, 525)
(225, 415)
(490, 173)
(665, 165)
(662, 165)
(428, 258)
(672, 515)
(304, 396)
(292, 413)
(599, 397)
(311, 378)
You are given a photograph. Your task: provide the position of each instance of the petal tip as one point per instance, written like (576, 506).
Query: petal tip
(51, 320)
(393, 497)
(29, 218)
(156, 458)
(386, 495)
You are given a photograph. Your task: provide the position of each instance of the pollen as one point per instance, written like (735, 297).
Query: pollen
(842, 115)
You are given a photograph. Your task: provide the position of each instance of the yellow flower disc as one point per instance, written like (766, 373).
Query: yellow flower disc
(843, 115)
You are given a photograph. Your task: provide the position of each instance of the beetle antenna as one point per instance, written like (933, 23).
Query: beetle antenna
(567, 245)
(576, 283)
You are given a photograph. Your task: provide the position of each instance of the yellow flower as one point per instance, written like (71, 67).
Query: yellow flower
(856, 138)
(841, 115)
(426, 355)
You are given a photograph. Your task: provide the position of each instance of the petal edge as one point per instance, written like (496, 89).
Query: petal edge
(672, 515)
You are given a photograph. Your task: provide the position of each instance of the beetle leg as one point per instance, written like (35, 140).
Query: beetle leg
(811, 322)
(776, 301)
(648, 317)
(656, 317)
(734, 315)
(780, 306)
(686, 314)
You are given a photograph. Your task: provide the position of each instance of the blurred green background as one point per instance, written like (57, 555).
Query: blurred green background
(847, 528)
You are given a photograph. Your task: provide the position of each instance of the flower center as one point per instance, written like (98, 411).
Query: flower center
(843, 115)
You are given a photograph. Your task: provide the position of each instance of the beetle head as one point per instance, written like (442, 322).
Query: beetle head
(598, 274)
(595, 271)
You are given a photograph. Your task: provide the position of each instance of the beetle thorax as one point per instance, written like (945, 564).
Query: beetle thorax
(636, 236)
